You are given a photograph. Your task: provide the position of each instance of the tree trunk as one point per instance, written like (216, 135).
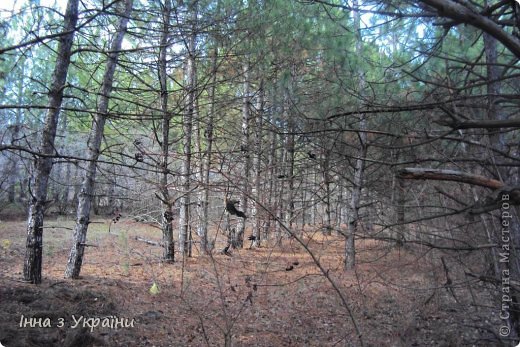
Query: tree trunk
(272, 182)
(167, 205)
(314, 201)
(93, 150)
(401, 200)
(258, 167)
(12, 172)
(111, 194)
(14, 176)
(66, 190)
(328, 181)
(289, 218)
(189, 114)
(279, 189)
(246, 149)
(199, 168)
(203, 225)
(95, 203)
(43, 165)
(77, 187)
(353, 218)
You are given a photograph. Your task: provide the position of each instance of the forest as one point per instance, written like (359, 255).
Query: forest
(259, 173)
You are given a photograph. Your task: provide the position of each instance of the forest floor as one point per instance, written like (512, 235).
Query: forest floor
(270, 296)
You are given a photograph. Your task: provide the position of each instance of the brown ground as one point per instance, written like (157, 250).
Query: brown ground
(396, 297)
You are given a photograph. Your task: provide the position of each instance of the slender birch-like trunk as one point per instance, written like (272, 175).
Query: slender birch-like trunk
(204, 218)
(32, 271)
(258, 167)
(353, 218)
(246, 149)
(272, 183)
(289, 216)
(328, 181)
(93, 150)
(189, 114)
(167, 204)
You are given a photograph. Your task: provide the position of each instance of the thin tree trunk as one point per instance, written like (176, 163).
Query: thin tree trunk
(314, 202)
(77, 186)
(63, 181)
(112, 184)
(167, 205)
(93, 150)
(258, 167)
(33, 253)
(189, 114)
(13, 171)
(339, 206)
(272, 181)
(353, 221)
(328, 182)
(279, 192)
(400, 200)
(398, 236)
(199, 165)
(203, 226)
(246, 148)
(289, 218)
(56, 187)
(66, 190)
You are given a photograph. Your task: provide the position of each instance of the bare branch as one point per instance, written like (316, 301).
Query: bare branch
(449, 175)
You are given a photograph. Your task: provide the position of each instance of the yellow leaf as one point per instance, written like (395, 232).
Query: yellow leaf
(6, 243)
(154, 289)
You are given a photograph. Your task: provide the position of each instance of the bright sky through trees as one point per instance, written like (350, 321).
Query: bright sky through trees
(8, 6)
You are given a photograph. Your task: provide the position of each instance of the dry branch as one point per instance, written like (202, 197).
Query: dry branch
(481, 124)
(490, 203)
(462, 13)
(449, 175)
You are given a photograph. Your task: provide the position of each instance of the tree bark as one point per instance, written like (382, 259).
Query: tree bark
(93, 150)
(272, 182)
(204, 222)
(289, 217)
(189, 114)
(43, 165)
(246, 149)
(258, 167)
(13, 171)
(328, 181)
(167, 205)
(66, 191)
(353, 218)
